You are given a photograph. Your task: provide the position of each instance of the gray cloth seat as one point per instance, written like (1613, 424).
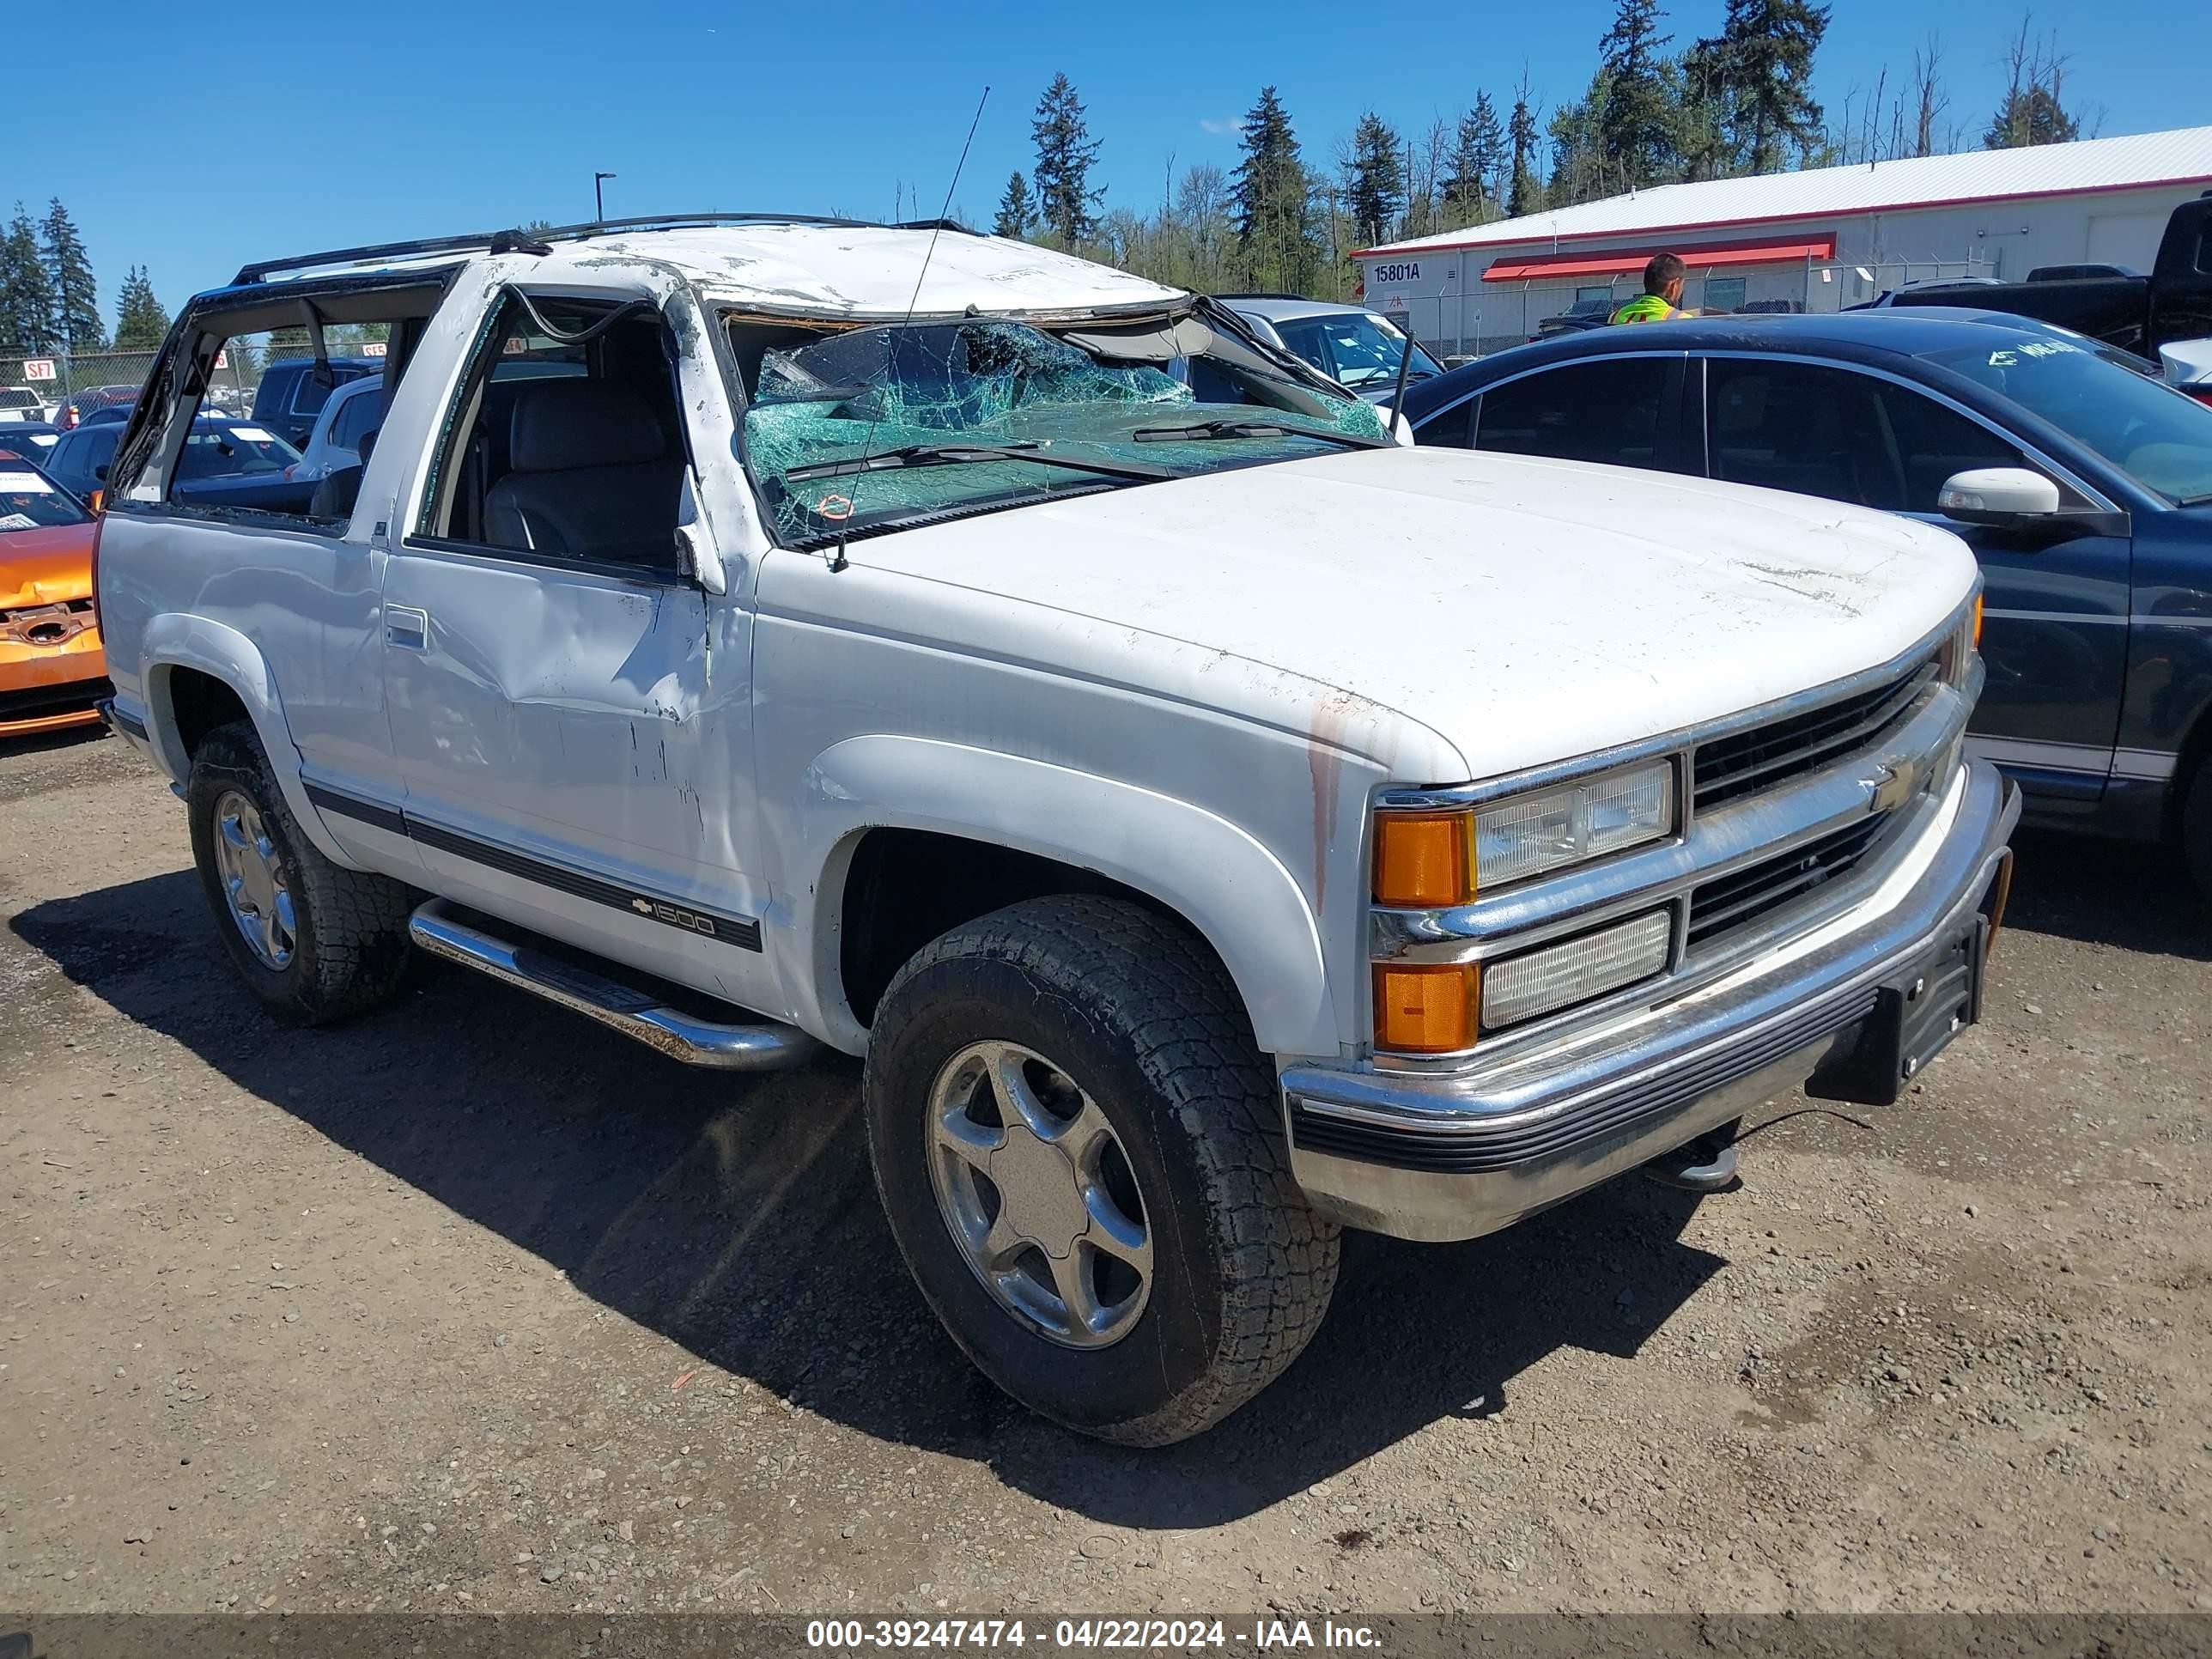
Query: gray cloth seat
(590, 476)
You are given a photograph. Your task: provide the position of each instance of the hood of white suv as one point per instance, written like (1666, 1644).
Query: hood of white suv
(1524, 612)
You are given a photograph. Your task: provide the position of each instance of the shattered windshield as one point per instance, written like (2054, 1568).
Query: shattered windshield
(877, 427)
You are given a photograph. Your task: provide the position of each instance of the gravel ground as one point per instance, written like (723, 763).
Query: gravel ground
(473, 1305)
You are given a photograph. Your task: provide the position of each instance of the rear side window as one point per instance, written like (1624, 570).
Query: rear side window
(1610, 411)
(221, 449)
(361, 413)
(225, 440)
(1800, 427)
(81, 454)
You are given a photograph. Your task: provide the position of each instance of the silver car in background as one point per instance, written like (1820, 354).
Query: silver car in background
(1358, 349)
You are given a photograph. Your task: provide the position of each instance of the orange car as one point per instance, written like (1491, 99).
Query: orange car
(52, 670)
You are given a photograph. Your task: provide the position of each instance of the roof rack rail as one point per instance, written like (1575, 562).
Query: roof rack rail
(261, 269)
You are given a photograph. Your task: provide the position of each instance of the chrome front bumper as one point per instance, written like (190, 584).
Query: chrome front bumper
(1429, 1155)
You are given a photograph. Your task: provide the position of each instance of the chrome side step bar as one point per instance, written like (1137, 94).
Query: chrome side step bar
(765, 1047)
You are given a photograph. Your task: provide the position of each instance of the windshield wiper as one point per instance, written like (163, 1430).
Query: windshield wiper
(1206, 429)
(967, 454)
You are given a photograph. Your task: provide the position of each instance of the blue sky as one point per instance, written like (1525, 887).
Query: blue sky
(485, 117)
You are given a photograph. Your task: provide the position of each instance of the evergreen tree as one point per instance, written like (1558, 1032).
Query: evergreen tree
(1581, 171)
(2033, 115)
(1636, 127)
(1065, 151)
(1272, 200)
(1521, 136)
(1703, 144)
(26, 297)
(1374, 180)
(1759, 71)
(68, 271)
(1016, 209)
(1477, 160)
(141, 325)
(2032, 110)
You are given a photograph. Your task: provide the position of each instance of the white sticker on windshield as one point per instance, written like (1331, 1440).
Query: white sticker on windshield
(253, 434)
(18, 521)
(24, 484)
(2010, 356)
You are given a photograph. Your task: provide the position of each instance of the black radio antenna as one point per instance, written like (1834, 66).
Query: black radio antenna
(1405, 362)
(868, 444)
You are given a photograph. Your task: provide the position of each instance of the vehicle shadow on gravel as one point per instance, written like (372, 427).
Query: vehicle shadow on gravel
(2096, 891)
(738, 1217)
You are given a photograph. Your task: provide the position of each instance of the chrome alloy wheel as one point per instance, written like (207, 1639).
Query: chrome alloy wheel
(252, 882)
(1036, 1190)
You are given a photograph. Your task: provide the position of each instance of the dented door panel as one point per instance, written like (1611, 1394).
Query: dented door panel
(554, 724)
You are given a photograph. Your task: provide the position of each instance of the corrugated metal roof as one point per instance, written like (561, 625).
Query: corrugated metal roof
(2182, 155)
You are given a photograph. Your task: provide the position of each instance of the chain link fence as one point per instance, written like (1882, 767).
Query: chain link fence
(1494, 316)
(54, 377)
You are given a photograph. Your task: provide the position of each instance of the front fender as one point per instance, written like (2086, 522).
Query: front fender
(1227, 885)
(175, 640)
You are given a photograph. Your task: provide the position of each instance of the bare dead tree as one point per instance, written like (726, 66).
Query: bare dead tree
(1929, 100)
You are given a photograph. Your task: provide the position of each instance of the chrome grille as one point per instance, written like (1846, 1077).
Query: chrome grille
(1727, 902)
(1744, 763)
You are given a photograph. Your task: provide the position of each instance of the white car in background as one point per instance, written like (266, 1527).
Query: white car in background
(1358, 349)
(352, 412)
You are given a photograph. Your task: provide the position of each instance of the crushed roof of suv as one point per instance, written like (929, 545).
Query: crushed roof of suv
(819, 269)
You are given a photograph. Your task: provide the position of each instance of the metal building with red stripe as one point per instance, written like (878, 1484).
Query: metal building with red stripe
(1819, 240)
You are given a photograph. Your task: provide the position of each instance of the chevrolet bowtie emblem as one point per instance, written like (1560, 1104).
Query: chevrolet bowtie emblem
(1892, 786)
(643, 907)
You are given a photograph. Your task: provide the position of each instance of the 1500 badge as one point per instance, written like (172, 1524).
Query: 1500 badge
(690, 921)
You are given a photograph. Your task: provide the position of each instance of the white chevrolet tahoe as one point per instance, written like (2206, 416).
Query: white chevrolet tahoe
(1217, 823)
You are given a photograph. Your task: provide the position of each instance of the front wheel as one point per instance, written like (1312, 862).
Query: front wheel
(1077, 1143)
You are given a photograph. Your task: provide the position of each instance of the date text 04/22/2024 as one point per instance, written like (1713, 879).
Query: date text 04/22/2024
(1152, 1634)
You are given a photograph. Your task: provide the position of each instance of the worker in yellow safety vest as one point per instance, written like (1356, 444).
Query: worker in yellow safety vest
(1660, 299)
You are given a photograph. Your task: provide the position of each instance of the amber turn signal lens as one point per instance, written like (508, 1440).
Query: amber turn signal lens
(1978, 622)
(1421, 858)
(1427, 1008)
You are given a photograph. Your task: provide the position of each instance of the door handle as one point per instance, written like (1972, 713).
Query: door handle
(406, 627)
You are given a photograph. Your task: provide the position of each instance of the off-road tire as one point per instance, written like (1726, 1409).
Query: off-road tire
(351, 951)
(1143, 1018)
(2197, 828)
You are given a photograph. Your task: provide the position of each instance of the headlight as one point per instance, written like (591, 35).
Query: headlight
(1432, 860)
(1529, 835)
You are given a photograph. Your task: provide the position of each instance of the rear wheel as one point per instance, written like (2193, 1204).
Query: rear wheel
(1077, 1143)
(316, 943)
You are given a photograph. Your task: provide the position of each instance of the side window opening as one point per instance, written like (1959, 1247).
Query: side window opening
(565, 449)
(1609, 410)
(233, 434)
(1933, 442)
(1803, 428)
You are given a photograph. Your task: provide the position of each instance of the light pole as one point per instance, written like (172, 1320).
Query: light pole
(599, 196)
